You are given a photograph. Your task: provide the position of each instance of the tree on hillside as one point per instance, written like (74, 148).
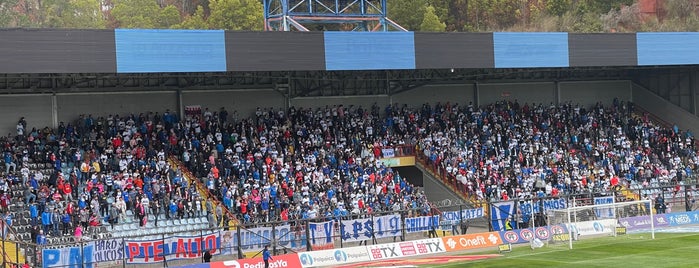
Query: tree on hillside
(168, 17)
(81, 14)
(8, 15)
(407, 13)
(194, 21)
(431, 22)
(236, 15)
(557, 7)
(141, 14)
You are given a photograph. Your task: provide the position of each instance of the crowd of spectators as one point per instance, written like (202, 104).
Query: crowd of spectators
(275, 165)
(509, 150)
(324, 163)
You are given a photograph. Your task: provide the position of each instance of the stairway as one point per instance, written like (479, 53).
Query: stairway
(471, 200)
(203, 191)
(11, 254)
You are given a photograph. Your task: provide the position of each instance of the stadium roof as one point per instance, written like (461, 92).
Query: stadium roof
(123, 51)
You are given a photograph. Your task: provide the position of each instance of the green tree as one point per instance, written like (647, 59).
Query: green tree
(679, 9)
(236, 15)
(8, 15)
(141, 14)
(168, 17)
(83, 14)
(194, 21)
(441, 8)
(557, 7)
(431, 22)
(407, 13)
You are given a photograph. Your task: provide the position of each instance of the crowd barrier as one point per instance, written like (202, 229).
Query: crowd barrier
(144, 251)
(249, 241)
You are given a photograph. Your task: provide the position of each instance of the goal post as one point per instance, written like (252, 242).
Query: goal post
(603, 219)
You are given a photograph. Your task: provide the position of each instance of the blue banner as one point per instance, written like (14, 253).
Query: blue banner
(499, 212)
(683, 218)
(321, 234)
(467, 214)
(526, 207)
(605, 213)
(361, 229)
(369, 50)
(421, 224)
(150, 51)
(69, 257)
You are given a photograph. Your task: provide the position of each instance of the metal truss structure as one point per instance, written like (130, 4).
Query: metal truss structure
(325, 15)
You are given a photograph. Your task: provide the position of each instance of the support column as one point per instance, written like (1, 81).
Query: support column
(693, 92)
(54, 110)
(557, 92)
(476, 95)
(180, 104)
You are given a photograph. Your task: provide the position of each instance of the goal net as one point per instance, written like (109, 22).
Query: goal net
(631, 220)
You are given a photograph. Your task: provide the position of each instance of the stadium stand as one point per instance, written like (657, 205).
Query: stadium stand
(113, 177)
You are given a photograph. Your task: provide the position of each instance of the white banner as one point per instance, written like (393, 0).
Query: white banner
(406, 249)
(389, 152)
(321, 234)
(334, 257)
(362, 229)
(607, 226)
(255, 239)
(455, 216)
(605, 213)
(421, 224)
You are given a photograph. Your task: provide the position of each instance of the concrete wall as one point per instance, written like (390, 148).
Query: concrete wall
(35, 108)
(72, 105)
(522, 92)
(364, 101)
(589, 93)
(245, 102)
(665, 110)
(454, 93)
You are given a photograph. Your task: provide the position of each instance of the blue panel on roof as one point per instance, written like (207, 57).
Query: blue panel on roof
(149, 51)
(369, 50)
(667, 48)
(530, 50)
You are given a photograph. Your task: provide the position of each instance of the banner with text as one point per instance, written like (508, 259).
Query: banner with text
(450, 218)
(108, 251)
(606, 226)
(406, 249)
(171, 248)
(280, 261)
(421, 224)
(362, 229)
(683, 218)
(471, 241)
(643, 222)
(68, 257)
(605, 213)
(334, 257)
(321, 235)
(255, 239)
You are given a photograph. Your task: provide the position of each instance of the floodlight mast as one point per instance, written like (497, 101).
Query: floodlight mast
(338, 15)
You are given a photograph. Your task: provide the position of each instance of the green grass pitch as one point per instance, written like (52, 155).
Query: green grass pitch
(667, 250)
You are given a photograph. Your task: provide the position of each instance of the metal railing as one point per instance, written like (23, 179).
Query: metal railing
(247, 241)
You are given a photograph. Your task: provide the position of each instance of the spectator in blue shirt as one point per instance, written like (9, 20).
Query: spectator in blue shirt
(33, 213)
(41, 238)
(266, 256)
(46, 221)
